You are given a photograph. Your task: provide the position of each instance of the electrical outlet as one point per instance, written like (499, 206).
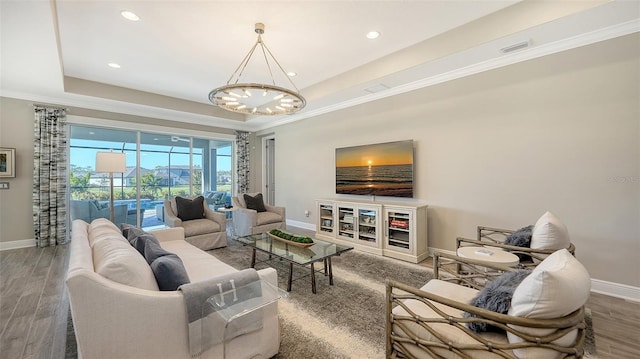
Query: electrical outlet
(306, 213)
(5, 185)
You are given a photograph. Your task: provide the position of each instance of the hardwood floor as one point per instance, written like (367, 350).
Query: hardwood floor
(34, 308)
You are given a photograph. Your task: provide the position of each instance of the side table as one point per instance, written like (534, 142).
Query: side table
(238, 311)
(488, 254)
(231, 232)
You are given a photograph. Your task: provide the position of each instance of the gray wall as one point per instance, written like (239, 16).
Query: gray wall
(16, 130)
(560, 133)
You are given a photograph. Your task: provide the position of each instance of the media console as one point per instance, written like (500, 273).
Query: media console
(397, 230)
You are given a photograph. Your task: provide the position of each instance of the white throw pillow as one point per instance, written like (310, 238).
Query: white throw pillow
(120, 262)
(549, 233)
(558, 286)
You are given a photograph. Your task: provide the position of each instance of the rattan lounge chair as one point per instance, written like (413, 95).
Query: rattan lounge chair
(428, 322)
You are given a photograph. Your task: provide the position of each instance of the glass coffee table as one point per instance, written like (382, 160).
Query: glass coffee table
(320, 251)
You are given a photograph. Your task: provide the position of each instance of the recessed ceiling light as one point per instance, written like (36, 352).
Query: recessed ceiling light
(372, 35)
(114, 65)
(129, 15)
(291, 73)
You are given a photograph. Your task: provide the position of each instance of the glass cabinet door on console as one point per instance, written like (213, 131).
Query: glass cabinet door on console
(346, 222)
(326, 219)
(368, 226)
(399, 230)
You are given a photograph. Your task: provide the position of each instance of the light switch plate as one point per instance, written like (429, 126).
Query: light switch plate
(4, 185)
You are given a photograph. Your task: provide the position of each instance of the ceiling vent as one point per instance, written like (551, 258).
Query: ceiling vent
(377, 88)
(515, 47)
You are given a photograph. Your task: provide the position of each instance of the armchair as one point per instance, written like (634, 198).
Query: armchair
(249, 221)
(547, 236)
(207, 233)
(431, 321)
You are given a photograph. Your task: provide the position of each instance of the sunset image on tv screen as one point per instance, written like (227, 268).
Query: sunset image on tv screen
(384, 169)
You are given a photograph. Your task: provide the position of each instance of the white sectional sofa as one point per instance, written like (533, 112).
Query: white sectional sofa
(118, 311)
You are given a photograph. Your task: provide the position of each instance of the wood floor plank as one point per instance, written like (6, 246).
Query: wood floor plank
(14, 338)
(41, 336)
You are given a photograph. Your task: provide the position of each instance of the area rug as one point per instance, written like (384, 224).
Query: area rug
(346, 320)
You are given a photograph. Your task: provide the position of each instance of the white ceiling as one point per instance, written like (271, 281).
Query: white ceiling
(58, 51)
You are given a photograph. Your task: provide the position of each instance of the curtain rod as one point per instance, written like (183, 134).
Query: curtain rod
(50, 106)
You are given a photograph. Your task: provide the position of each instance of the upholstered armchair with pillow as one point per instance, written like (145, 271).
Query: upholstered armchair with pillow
(502, 313)
(203, 227)
(531, 244)
(253, 216)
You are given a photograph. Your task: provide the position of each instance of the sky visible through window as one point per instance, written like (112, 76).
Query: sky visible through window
(83, 154)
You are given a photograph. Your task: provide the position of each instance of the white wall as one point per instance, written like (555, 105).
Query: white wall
(500, 148)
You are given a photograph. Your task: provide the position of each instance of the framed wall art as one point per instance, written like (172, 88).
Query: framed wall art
(7, 162)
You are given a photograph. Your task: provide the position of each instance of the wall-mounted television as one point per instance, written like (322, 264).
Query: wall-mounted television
(381, 169)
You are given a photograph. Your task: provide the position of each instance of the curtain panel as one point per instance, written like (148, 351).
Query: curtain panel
(242, 154)
(50, 176)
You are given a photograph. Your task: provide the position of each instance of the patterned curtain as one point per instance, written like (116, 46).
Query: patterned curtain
(242, 154)
(50, 176)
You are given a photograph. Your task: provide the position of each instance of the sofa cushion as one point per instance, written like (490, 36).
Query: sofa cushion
(268, 217)
(549, 233)
(189, 209)
(496, 296)
(453, 334)
(138, 238)
(197, 227)
(199, 264)
(120, 262)
(169, 272)
(101, 229)
(558, 286)
(254, 202)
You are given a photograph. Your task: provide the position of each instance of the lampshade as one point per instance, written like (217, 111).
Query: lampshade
(110, 162)
(258, 98)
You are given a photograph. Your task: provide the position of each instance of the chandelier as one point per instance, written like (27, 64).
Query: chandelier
(256, 98)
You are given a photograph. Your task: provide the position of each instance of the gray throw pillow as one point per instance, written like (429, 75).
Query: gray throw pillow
(496, 296)
(153, 251)
(169, 272)
(189, 209)
(521, 238)
(256, 202)
(138, 238)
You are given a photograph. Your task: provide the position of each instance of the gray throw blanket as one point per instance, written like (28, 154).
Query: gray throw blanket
(213, 306)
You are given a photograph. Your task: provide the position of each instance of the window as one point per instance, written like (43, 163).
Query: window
(170, 165)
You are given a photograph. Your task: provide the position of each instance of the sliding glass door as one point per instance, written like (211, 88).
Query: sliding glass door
(169, 166)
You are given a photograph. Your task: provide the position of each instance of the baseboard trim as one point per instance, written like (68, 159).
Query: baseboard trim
(23, 243)
(303, 225)
(618, 290)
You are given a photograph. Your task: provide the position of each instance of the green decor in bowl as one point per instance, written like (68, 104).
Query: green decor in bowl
(299, 241)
